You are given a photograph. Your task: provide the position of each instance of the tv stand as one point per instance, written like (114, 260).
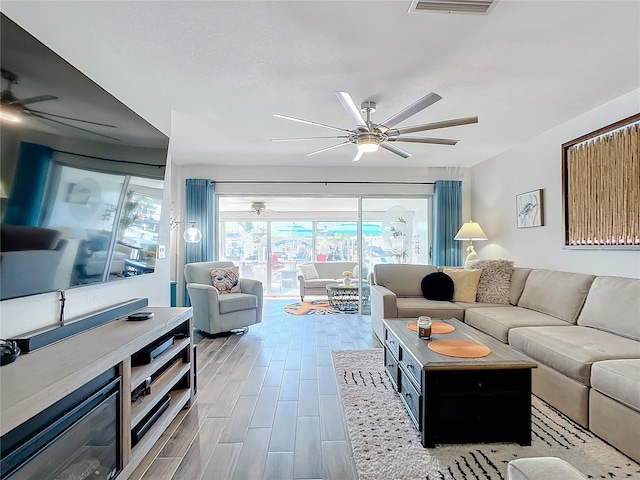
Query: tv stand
(38, 380)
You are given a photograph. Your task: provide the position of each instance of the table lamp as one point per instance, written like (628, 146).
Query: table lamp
(470, 231)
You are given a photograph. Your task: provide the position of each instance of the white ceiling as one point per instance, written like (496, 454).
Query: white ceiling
(210, 74)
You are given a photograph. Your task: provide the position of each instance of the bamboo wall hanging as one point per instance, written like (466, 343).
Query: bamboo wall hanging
(601, 187)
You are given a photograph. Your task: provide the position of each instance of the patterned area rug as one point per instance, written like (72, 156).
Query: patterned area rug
(386, 446)
(316, 307)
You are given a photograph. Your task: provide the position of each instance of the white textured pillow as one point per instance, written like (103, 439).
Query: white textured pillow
(226, 280)
(495, 281)
(309, 271)
(465, 284)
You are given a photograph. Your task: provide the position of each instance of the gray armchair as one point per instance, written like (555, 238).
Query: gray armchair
(214, 313)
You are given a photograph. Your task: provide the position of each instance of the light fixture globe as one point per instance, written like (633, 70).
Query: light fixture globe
(368, 142)
(10, 113)
(192, 234)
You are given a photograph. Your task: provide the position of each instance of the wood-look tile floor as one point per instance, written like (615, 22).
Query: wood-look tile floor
(267, 404)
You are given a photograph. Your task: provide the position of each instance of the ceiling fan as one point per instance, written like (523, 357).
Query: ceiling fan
(12, 108)
(368, 136)
(259, 209)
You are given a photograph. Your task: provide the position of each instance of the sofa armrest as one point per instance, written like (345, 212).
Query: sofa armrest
(204, 300)
(253, 287)
(385, 300)
(383, 305)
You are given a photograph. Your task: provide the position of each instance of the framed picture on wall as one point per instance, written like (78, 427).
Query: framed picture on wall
(530, 209)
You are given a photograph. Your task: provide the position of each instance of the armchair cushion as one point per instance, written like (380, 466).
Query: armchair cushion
(226, 280)
(236, 302)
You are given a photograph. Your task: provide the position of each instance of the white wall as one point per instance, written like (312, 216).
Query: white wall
(268, 174)
(22, 315)
(536, 164)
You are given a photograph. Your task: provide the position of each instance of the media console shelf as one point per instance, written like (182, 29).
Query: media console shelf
(39, 379)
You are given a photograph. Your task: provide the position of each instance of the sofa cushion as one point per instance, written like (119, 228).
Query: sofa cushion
(618, 379)
(235, 302)
(497, 321)
(309, 271)
(403, 280)
(437, 286)
(15, 238)
(333, 269)
(226, 280)
(518, 280)
(571, 349)
(412, 307)
(495, 280)
(319, 282)
(542, 468)
(613, 305)
(465, 283)
(560, 294)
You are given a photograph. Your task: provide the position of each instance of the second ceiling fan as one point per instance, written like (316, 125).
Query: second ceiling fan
(368, 136)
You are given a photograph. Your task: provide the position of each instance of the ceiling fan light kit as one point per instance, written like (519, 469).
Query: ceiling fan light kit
(368, 137)
(258, 207)
(9, 114)
(368, 142)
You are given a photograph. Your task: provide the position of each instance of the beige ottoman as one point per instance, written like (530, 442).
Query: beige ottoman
(542, 468)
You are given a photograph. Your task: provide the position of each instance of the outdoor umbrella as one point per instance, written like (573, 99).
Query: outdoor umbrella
(352, 229)
(293, 230)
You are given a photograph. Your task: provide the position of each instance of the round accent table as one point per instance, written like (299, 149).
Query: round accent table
(346, 297)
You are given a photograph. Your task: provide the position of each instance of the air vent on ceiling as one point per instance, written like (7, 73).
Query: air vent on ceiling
(451, 6)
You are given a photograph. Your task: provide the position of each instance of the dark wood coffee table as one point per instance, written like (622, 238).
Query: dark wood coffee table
(460, 400)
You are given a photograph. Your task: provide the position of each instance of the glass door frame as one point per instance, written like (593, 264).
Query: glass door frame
(358, 214)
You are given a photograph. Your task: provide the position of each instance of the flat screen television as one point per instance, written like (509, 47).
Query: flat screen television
(81, 176)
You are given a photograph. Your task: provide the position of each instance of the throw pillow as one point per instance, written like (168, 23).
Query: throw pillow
(465, 284)
(226, 280)
(495, 280)
(437, 286)
(309, 271)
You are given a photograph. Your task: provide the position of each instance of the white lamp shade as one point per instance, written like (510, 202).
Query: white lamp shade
(470, 231)
(192, 234)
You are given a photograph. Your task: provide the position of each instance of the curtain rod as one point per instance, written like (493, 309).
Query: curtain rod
(317, 182)
(110, 159)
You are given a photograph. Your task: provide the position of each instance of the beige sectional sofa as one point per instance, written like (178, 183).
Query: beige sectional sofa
(313, 277)
(582, 330)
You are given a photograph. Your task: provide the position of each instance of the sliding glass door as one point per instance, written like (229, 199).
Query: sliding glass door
(270, 245)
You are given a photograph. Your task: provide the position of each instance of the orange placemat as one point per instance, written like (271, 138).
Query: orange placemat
(459, 348)
(436, 327)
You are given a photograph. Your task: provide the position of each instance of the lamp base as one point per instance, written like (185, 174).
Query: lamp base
(471, 254)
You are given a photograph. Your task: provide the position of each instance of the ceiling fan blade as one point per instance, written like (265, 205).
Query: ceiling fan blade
(433, 126)
(351, 108)
(39, 98)
(304, 138)
(37, 115)
(437, 141)
(412, 109)
(71, 118)
(286, 117)
(359, 154)
(329, 148)
(396, 150)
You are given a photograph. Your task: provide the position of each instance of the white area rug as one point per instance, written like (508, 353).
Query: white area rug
(386, 445)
